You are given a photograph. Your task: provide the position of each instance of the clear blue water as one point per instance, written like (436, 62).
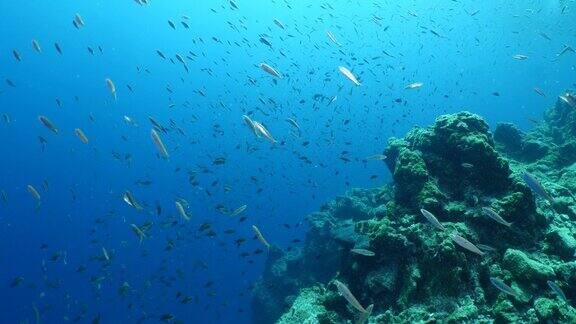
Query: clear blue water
(82, 211)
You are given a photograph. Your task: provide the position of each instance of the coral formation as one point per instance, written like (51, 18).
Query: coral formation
(453, 169)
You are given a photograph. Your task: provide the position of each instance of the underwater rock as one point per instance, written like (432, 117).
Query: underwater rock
(561, 242)
(464, 313)
(561, 121)
(549, 310)
(445, 162)
(509, 138)
(309, 308)
(533, 150)
(526, 269)
(504, 311)
(418, 273)
(278, 284)
(567, 153)
(567, 185)
(330, 237)
(383, 280)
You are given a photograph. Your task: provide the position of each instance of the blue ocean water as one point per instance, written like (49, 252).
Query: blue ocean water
(461, 51)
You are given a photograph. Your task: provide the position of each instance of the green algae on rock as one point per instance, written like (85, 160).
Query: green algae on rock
(418, 274)
(308, 308)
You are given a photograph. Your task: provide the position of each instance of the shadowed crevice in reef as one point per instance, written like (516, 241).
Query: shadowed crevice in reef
(453, 169)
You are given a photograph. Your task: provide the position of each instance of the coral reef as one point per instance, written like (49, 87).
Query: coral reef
(455, 169)
(331, 230)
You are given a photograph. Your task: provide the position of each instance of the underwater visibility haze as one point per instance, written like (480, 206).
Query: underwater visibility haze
(288, 161)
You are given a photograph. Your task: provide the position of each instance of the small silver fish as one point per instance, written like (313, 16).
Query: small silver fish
(363, 252)
(159, 144)
(347, 294)
(111, 87)
(36, 46)
(349, 75)
(80, 134)
(260, 129)
(486, 248)
(565, 50)
(129, 198)
(239, 210)
(432, 219)
(279, 23)
(35, 194)
(520, 57)
(79, 22)
(557, 290)
(364, 316)
(467, 165)
(105, 254)
(466, 244)
(332, 38)
(376, 157)
(140, 233)
(270, 70)
(568, 99)
(260, 237)
(498, 283)
(537, 187)
(48, 123)
(492, 214)
(293, 122)
(182, 211)
(414, 85)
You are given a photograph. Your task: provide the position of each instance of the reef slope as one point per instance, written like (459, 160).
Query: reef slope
(454, 169)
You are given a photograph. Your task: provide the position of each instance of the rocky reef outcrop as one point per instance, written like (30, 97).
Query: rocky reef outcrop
(455, 169)
(330, 235)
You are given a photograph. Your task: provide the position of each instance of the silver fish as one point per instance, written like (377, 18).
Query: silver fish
(466, 244)
(182, 211)
(557, 290)
(415, 85)
(537, 187)
(260, 129)
(239, 210)
(568, 99)
(349, 75)
(347, 294)
(48, 123)
(279, 23)
(35, 194)
(363, 252)
(432, 219)
(270, 70)
(498, 283)
(520, 57)
(129, 198)
(159, 144)
(293, 122)
(364, 316)
(492, 214)
(36, 46)
(260, 237)
(565, 50)
(111, 87)
(250, 123)
(332, 38)
(486, 248)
